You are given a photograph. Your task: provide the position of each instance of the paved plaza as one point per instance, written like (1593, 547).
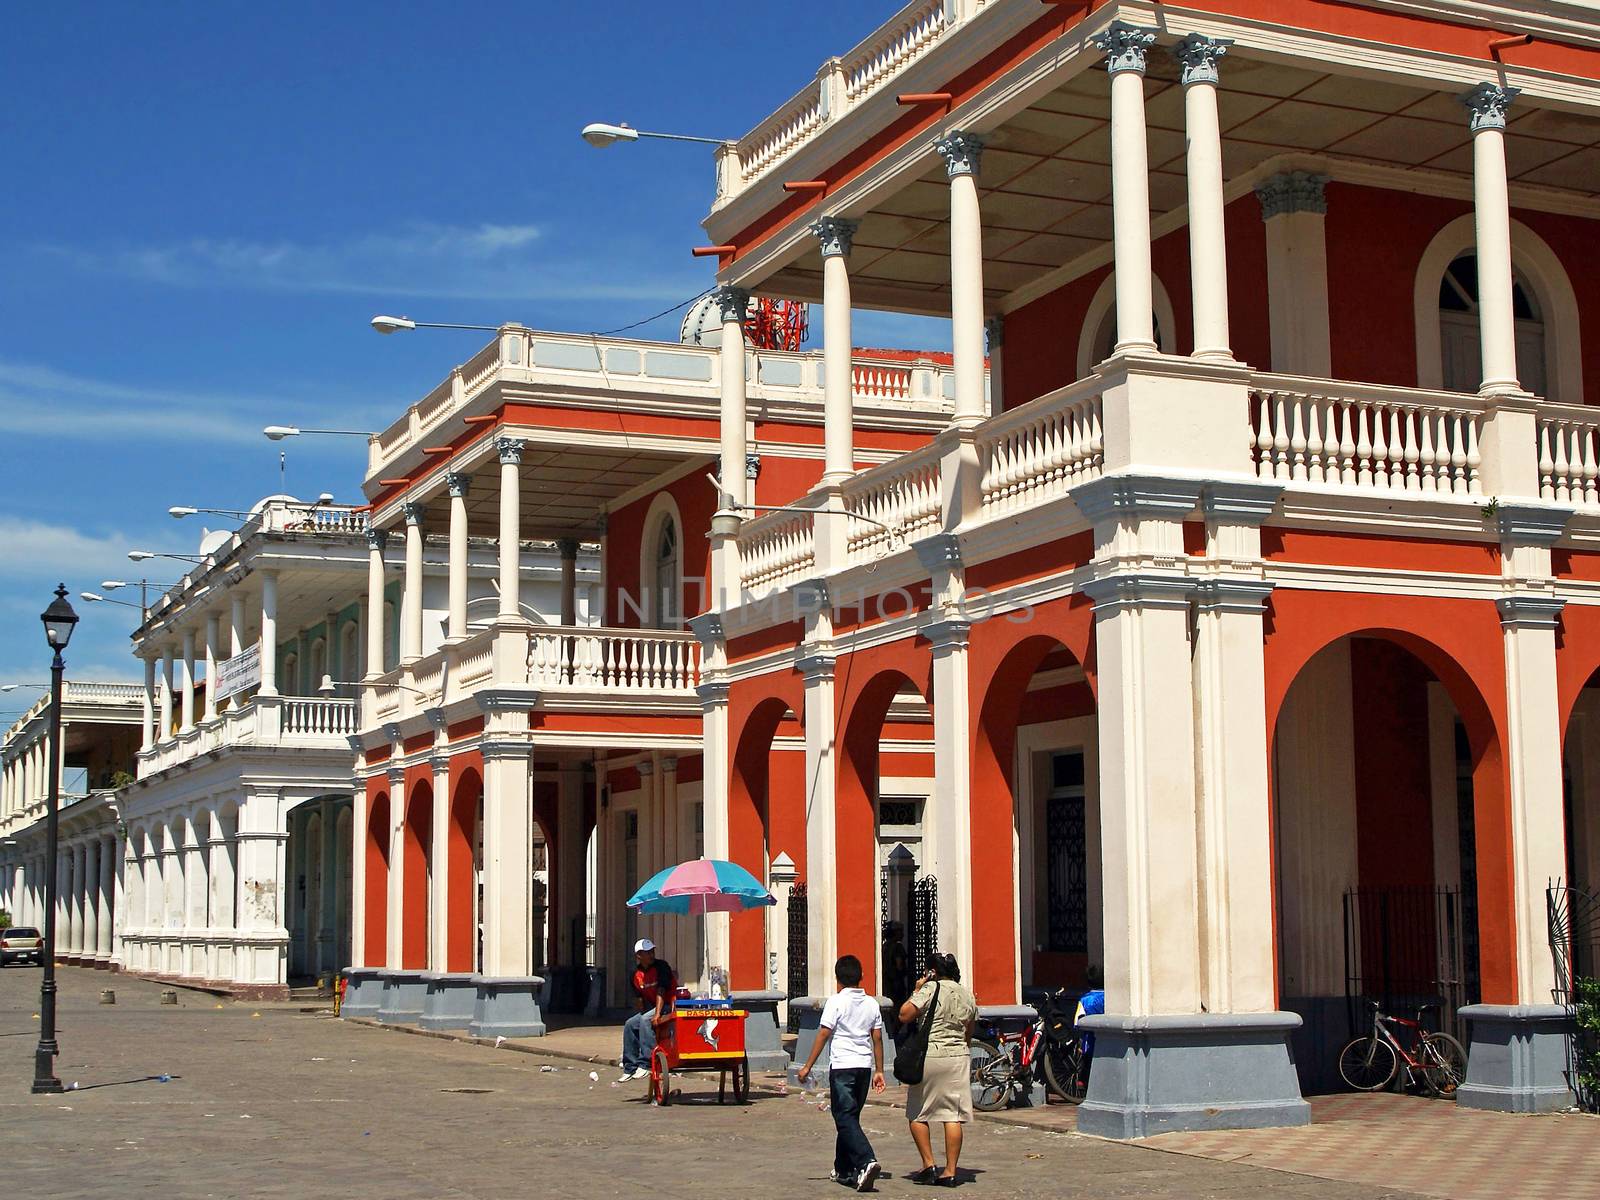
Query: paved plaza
(275, 1101)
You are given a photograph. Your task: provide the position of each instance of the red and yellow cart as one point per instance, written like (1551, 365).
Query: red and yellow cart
(701, 1035)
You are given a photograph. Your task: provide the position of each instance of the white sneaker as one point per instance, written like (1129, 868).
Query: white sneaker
(625, 1076)
(869, 1175)
(641, 1073)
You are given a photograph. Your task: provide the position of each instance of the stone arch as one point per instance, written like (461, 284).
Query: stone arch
(416, 841)
(766, 815)
(375, 935)
(1103, 304)
(461, 915)
(1539, 265)
(1460, 643)
(1002, 673)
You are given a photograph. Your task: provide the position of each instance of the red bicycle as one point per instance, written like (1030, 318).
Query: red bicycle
(1369, 1063)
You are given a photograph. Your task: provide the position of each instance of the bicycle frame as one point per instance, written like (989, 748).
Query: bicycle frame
(1381, 1028)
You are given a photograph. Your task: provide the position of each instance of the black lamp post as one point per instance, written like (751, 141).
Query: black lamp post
(58, 622)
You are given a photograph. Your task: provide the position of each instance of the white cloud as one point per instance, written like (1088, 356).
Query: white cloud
(485, 261)
(37, 399)
(39, 550)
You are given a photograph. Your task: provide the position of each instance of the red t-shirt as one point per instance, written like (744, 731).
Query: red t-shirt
(655, 980)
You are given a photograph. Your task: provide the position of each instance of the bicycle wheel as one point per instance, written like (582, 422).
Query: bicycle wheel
(1064, 1073)
(993, 1073)
(660, 1078)
(1368, 1063)
(1444, 1064)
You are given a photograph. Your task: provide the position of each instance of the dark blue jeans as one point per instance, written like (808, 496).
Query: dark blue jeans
(847, 1094)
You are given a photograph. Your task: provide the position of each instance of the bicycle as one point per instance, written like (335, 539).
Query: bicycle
(1371, 1062)
(1004, 1063)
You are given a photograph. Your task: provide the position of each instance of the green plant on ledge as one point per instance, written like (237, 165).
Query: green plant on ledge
(5, 919)
(1586, 1042)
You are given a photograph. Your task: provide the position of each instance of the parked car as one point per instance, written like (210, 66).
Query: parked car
(21, 943)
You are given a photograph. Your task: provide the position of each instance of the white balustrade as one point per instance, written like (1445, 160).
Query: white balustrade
(899, 41)
(318, 716)
(777, 548)
(609, 661)
(1569, 454)
(1367, 437)
(869, 380)
(894, 503)
(780, 133)
(1040, 450)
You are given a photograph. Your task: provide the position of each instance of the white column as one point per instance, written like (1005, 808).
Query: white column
(376, 540)
(1534, 769)
(507, 860)
(951, 825)
(568, 549)
(186, 679)
(165, 693)
(90, 946)
(411, 597)
(458, 483)
(261, 837)
(105, 908)
(822, 874)
(569, 859)
(269, 634)
(962, 153)
(213, 641)
(838, 435)
(1294, 207)
(220, 875)
(394, 927)
(1492, 211)
(75, 897)
(510, 450)
(147, 716)
(438, 868)
(733, 303)
(236, 632)
(1208, 256)
(1124, 46)
(1147, 795)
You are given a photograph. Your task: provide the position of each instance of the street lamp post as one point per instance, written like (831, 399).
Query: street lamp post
(58, 622)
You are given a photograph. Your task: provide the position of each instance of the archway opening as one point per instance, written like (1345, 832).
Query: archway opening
(376, 933)
(766, 788)
(1460, 339)
(1384, 765)
(888, 881)
(1036, 826)
(464, 906)
(416, 931)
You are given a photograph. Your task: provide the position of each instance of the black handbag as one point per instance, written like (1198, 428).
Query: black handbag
(912, 1055)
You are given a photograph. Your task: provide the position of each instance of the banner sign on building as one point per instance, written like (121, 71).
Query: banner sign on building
(239, 672)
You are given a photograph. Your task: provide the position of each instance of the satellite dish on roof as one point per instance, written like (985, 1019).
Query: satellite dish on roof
(702, 324)
(212, 539)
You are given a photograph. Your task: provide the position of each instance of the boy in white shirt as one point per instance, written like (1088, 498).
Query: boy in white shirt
(853, 1025)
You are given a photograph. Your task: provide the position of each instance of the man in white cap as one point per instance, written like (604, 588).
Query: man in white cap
(655, 989)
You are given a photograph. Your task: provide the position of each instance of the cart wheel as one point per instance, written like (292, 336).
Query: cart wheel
(660, 1078)
(741, 1081)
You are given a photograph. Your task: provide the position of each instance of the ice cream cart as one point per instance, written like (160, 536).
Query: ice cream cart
(701, 1035)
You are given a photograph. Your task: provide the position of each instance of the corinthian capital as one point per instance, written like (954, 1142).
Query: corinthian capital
(1487, 103)
(1199, 54)
(733, 302)
(509, 449)
(962, 153)
(1124, 46)
(837, 235)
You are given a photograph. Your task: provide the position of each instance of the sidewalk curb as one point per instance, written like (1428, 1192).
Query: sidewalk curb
(445, 1035)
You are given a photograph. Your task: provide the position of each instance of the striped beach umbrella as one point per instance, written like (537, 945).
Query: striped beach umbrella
(705, 885)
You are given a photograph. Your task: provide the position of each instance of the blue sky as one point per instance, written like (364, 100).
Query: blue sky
(205, 203)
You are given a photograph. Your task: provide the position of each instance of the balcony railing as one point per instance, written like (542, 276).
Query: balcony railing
(289, 722)
(843, 84)
(1385, 439)
(652, 662)
(1169, 415)
(655, 369)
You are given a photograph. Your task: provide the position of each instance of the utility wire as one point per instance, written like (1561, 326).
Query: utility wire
(663, 313)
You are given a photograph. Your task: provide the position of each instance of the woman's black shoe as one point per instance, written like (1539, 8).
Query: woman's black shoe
(945, 1181)
(925, 1176)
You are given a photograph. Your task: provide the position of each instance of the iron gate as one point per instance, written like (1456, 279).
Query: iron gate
(799, 943)
(923, 934)
(1574, 916)
(1405, 947)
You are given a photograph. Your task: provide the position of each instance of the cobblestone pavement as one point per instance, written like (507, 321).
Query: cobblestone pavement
(270, 1100)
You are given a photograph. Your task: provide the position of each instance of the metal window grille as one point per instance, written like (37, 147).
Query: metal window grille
(923, 935)
(799, 943)
(1404, 947)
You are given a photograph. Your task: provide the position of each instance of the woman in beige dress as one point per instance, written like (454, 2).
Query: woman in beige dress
(945, 1093)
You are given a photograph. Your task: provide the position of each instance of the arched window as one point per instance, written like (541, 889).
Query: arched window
(319, 664)
(349, 653)
(1098, 335)
(1461, 345)
(666, 611)
(289, 682)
